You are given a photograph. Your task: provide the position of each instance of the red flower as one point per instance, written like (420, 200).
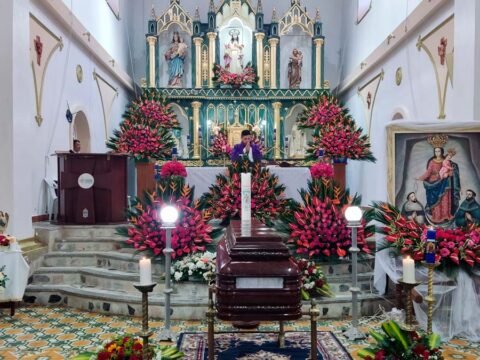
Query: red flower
(173, 168)
(321, 169)
(380, 355)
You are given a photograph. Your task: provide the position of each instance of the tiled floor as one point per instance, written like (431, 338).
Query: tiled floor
(58, 333)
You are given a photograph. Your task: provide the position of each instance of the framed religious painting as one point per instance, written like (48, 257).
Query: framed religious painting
(363, 7)
(434, 172)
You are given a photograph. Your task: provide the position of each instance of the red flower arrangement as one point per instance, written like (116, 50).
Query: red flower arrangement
(192, 233)
(321, 170)
(224, 201)
(341, 139)
(124, 348)
(220, 146)
(173, 168)
(145, 131)
(225, 77)
(4, 240)
(317, 228)
(453, 246)
(322, 112)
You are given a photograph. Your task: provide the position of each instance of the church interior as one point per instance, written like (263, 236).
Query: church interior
(239, 179)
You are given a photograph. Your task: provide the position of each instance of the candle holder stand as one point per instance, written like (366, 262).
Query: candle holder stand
(430, 299)
(408, 287)
(145, 333)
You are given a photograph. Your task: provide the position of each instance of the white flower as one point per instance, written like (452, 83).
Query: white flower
(178, 276)
(190, 272)
(2, 276)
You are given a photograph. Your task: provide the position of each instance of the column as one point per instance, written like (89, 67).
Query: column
(273, 62)
(198, 62)
(152, 41)
(276, 118)
(211, 56)
(318, 62)
(196, 105)
(259, 37)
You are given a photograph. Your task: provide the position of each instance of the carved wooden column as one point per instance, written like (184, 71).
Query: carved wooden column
(198, 62)
(273, 62)
(318, 62)
(259, 37)
(196, 105)
(152, 41)
(212, 36)
(276, 118)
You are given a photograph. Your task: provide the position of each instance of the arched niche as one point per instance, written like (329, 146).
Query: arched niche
(181, 136)
(399, 113)
(245, 36)
(290, 119)
(296, 39)
(81, 131)
(165, 41)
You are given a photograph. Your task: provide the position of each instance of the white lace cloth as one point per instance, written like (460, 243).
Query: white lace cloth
(16, 269)
(457, 299)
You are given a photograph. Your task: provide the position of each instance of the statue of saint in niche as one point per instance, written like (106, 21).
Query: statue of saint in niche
(297, 143)
(233, 56)
(295, 69)
(176, 58)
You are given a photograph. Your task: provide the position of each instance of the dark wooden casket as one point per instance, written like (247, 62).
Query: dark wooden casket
(257, 279)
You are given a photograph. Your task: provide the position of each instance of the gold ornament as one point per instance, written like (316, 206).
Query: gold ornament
(398, 76)
(438, 140)
(79, 72)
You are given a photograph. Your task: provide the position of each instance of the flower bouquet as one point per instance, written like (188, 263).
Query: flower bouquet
(4, 242)
(195, 266)
(317, 227)
(224, 202)
(173, 168)
(224, 77)
(398, 344)
(145, 132)
(130, 348)
(341, 139)
(324, 111)
(321, 170)
(314, 282)
(220, 147)
(192, 233)
(3, 278)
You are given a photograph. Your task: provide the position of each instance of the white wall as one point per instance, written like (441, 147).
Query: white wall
(32, 145)
(331, 15)
(416, 97)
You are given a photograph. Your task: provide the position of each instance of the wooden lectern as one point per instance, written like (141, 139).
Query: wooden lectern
(92, 188)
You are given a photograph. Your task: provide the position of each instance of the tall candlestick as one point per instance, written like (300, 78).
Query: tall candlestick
(408, 270)
(145, 271)
(246, 187)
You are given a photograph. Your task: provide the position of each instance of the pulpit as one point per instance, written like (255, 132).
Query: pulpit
(92, 188)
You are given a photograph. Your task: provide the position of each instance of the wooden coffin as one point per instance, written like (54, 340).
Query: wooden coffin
(257, 279)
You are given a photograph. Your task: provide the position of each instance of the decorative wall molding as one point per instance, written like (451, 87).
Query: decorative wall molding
(43, 44)
(114, 5)
(425, 10)
(108, 94)
(74, 26)
(368, 93)
(438, 45)
(175, 14)
(296, 16)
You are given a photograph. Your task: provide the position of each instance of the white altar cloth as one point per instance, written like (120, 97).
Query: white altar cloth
(294, 179)
(16, 269)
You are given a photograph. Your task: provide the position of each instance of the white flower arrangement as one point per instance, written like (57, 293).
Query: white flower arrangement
(197, 266)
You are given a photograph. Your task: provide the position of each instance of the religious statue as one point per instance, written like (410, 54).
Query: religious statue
(4, 217)
(469, 211)
(176, 57)
(295, 69)
(297, 143)
(413, 209)
(233, 56)
(181, 144)
(443, 192)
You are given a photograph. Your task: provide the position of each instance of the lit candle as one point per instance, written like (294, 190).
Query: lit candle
(246, 188)
(408, 270)
(145, 271)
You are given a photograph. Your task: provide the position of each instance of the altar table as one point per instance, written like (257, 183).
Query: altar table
(294, 179)
(16, 269)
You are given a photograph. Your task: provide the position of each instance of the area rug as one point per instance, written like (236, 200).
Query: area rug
(256, 346)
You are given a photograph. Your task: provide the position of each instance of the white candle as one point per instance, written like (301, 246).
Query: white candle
(408, 270)
(145, 271)
(246, 190)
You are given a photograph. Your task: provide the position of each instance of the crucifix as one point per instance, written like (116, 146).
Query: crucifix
(38, 49)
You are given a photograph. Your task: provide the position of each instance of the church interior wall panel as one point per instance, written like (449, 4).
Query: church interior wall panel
(416, 95)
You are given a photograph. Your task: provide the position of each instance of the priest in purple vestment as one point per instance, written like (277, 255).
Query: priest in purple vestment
(246, 149)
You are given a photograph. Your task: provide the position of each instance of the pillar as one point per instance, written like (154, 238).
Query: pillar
(273, 62)
(318, 62)
(212, 36)
(152, 41)
(276, 118)
(196, 105)
(198, 62)
(259, 41)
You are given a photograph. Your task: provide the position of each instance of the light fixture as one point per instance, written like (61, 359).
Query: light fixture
(168, 215)
(353, 214)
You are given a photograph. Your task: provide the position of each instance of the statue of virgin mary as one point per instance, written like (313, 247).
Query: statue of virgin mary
(233, 55)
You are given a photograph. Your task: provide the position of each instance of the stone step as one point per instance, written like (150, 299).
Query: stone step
(45, 230)
(188, 304)
(115, 260)
(81, 244)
